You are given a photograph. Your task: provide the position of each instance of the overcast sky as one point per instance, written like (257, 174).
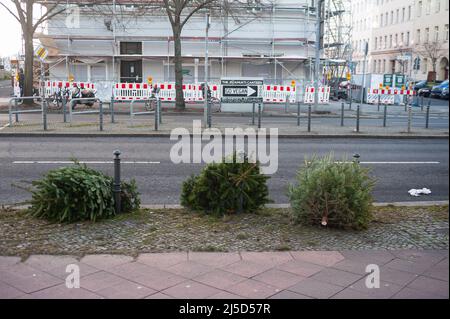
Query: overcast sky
(10, 34)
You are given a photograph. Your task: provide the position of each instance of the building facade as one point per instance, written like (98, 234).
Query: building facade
(399, 34)
(118, 43)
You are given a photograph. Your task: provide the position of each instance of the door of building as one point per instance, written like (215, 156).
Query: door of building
(131, 71)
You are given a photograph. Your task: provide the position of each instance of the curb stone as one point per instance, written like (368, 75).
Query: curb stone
(381, 204)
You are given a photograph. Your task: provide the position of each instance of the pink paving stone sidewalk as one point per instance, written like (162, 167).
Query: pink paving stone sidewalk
(257, 275)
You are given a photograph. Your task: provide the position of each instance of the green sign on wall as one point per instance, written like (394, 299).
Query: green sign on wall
(388, 80)
(399, 81)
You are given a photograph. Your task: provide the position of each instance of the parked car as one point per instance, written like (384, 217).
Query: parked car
(436, 91)
(444, 94)
(426, 89)
(420, 85)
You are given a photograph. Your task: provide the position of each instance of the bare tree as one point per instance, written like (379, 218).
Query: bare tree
(432, 51)
(179, 12)
(22, 11)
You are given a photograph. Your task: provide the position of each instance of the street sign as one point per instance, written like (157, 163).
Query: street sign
(41, 52)
(399, 81)
(388, 80)
(242, 90)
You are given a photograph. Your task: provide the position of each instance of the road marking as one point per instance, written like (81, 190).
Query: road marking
(84, 162)
(4, 126)
(150, 163)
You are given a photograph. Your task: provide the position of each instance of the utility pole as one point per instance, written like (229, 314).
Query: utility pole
(319, 37)
(205, 91)
(363, 85)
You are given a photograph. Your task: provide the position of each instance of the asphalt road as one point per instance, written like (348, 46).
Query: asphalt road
(398, 164)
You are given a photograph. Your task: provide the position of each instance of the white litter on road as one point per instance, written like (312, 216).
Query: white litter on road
(418, 192)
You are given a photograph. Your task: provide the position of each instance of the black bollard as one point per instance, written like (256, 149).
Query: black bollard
(100, 105)
(358, 111)
(117, 183)
(309, 118)
(111, 106)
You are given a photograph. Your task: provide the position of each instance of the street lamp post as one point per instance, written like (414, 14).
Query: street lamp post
(363, 85)
(319, 32)
(206, 109)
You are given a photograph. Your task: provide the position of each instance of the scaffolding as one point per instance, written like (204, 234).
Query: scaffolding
(337, 39)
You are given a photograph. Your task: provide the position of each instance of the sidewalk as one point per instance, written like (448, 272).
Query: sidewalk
(88, 125)
(286, 275)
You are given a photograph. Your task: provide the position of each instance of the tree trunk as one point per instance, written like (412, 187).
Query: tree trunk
(28, 68)
(29, 58)
(180, 103)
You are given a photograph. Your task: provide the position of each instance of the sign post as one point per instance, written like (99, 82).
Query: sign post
(239, 94)
(400, 81)
(42, 54)
(388, 80)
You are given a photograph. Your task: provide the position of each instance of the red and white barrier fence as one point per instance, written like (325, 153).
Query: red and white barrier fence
(324, 95)
(386, 96)
(53, 87)
(279, 94)
(131, 91)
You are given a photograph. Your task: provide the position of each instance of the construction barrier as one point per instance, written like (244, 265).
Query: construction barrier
(167, 92)
(386, 96)
(132, 91)
(53, 87)
(279, 94)
(324, 95)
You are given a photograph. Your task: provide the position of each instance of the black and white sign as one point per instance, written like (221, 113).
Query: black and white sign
(242, 90)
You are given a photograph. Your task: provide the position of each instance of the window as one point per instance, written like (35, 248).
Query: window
(392, 17)
(403, 14)
(425, 65)
(402, 39)
(390, 41)
(418, 36)
(407, 38)
(437, 6)
(131, 48)
(419, 8)
(446, 32)
(436, 34)
(385, 41)
(396, 40)
(409, 13)
(381, 20)
(428, 9)
(427, 35)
